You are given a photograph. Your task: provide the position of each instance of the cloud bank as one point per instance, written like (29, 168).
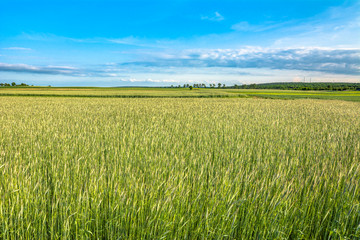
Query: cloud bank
(53, 70)
(329, 61)
(334, 61)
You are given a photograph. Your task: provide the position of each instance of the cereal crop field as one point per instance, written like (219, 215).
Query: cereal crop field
(179, 168)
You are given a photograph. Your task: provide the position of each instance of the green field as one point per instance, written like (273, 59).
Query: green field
(178, 168)
(176, 93)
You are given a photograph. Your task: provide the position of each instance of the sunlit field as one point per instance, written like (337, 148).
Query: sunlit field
(177, 93)
(179, 168)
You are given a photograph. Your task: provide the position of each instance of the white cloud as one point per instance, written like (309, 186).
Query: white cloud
(334, 61)
(247, 27)
(242, 26)
(53, 70)
(18, 48)
(216, 17)
(149, 80)
(131, 40)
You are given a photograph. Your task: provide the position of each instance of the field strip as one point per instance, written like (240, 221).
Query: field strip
(288, 96)
(124, 96)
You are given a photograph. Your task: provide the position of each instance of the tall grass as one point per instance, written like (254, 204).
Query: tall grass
(179, 169)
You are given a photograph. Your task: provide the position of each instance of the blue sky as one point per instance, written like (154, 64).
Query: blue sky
(162, 43)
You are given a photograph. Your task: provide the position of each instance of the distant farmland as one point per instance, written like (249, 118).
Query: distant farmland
(217, 164)
(176, 93)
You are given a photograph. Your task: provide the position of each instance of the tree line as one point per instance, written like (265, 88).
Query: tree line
(201, 85)
(13, 84)
(281, 86)
(304, 86)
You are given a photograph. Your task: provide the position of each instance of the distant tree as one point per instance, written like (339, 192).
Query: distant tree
(190, 87)
(13, 84)
(1, 84)
(223, 85)
(219, 85)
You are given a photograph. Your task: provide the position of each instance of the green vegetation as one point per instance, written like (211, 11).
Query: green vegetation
(13, 84)
(304, 86)
(166, 168)
(176, 93)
